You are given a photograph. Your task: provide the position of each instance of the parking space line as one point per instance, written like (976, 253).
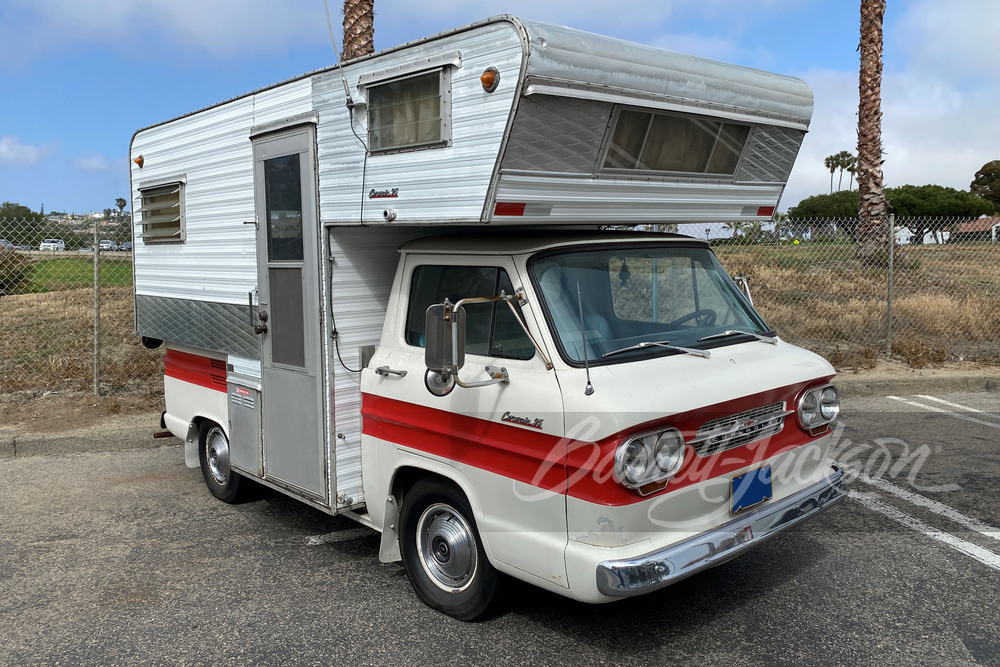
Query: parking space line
(956, 415)
(932, 505)
(984, 556)
(959, 406)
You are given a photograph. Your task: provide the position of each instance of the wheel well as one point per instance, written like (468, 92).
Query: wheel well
(407, 476)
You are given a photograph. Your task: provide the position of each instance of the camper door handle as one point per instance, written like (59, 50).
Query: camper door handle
(261, 315)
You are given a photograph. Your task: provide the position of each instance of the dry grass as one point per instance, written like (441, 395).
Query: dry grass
(946, 300)
(946, 307)
(48, 343)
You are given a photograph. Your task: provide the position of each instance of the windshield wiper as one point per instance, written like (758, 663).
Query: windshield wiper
(663, 343)
(733, 332)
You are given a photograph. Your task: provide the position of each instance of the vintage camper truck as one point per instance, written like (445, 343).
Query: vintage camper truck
(389, 289)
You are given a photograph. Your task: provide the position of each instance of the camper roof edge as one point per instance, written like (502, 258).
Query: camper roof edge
(776, 95)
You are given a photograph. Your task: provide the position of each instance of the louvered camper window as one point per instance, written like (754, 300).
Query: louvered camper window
(686, 144)
(408, 113)
(163, 213)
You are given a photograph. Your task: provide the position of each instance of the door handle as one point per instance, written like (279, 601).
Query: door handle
(261, 315)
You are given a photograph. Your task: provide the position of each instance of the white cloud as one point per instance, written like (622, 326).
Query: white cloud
(954, 39)
(940, 90)
(14, 151)
(218, 27)
(93, 163)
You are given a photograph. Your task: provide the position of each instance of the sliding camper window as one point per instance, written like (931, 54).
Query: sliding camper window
(490, 328)
(162, 213)
(411, 112)
(679, 143)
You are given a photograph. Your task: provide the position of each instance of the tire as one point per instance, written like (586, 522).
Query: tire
(213, 452)
(443, 553)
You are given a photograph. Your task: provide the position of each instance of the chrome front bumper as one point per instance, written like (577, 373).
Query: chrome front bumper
(623, 578)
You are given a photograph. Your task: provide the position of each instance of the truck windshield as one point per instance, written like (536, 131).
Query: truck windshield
(616, 297)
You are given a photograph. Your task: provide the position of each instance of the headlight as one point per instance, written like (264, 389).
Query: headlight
(634, 462)
(669, 452)
(818, 407)
(649, 458)
(809, 409)
(829, 405)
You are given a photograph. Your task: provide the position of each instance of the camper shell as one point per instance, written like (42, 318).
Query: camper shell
(274, 235)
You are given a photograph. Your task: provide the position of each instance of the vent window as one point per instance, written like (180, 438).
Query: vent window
(162, 213)
(664, 142)
(410, 113)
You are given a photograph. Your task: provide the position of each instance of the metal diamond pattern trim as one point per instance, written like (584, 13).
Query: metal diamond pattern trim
(770, 155)
(557, 134)
(220, 327)
(724, 433)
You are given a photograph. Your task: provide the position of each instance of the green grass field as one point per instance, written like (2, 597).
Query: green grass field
(65, 273)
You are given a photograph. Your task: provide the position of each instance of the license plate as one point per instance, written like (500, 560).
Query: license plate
(750, 488)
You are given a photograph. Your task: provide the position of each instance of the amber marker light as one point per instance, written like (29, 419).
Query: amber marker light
(490, 79)
(139, 161)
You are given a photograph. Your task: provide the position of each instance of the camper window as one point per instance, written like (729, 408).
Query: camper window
(411, 112)
(162, 212)
(647, 141)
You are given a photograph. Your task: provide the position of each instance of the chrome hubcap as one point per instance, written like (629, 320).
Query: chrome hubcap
(447, 548)
(217, 455)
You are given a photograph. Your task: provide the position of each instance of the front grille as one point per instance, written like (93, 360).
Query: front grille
(740, 429)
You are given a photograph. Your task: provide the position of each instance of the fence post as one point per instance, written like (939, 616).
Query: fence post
(892, 256)
(97, 310)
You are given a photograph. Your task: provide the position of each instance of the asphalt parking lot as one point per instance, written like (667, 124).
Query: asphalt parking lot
(123, 557)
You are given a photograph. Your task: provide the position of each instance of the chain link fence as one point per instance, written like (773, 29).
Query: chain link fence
(933, 295)
(67, 311)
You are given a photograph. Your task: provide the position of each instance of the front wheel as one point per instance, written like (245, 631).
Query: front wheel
(213, 451)
(442, 551)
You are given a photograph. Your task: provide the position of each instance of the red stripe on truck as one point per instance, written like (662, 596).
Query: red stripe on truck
(527, 456)
(196, 369)
(584, 470)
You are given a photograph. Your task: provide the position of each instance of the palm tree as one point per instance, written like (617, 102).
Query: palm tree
(359, 28)
(831, 163)
(121, 204)
(852, 168)
(843, 159)
(872, 234)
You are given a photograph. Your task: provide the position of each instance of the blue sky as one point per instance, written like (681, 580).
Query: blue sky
(79, 77)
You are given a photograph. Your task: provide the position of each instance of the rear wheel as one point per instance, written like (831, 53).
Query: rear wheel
(443, 553)
(213, 451)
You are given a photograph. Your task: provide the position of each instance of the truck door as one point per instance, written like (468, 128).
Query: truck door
(505, 440)
(288, 283)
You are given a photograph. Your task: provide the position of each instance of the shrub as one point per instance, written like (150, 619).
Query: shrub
(14, 269)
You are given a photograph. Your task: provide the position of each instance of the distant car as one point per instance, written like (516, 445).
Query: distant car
(52, 244)
(107, 245)
(126, 246)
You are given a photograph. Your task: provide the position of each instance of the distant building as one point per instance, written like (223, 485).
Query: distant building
(905, 237)
(982, 229)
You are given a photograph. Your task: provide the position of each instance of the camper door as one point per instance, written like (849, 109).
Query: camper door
(288, 281)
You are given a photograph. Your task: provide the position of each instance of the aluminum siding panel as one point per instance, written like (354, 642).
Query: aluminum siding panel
(589, 63)
(568, 199)
(438, 184)
(212, 149)
(364, 265)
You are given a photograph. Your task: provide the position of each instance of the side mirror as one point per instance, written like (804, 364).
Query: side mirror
(444, 341)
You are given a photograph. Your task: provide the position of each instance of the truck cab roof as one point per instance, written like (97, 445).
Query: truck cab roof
(527, 241)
